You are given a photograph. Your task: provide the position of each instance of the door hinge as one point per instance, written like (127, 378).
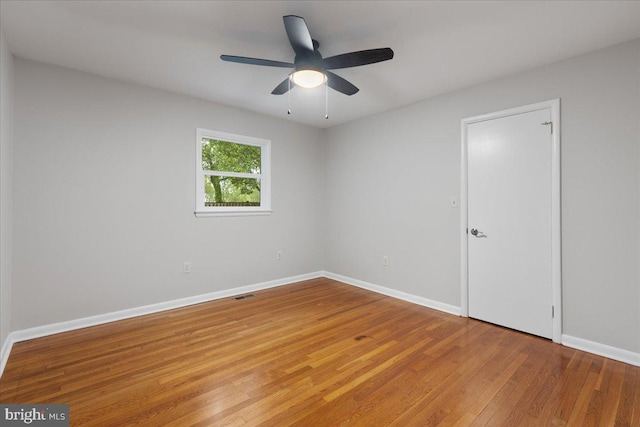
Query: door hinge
(553, 312)
(550, 124)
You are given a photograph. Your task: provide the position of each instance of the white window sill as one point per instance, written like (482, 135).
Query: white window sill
(230, 212)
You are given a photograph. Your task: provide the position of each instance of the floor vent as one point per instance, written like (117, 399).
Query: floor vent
(241, 297)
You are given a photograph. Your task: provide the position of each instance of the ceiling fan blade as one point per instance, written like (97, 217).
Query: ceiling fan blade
(298, 34)
(341, 85)
(355, 59)
(282, 88)
(256, 61)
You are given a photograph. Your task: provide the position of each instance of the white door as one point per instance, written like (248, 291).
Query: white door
(509, 205)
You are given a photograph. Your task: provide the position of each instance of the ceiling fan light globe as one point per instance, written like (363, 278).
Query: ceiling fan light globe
(308, 79)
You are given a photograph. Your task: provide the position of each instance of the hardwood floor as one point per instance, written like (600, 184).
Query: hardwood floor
(318, 353)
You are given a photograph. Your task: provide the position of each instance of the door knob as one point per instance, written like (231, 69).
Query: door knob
(476, 233)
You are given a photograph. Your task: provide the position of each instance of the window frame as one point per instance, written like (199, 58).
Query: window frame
(201, 209)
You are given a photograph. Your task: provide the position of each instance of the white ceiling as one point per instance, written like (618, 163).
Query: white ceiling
(440, 46)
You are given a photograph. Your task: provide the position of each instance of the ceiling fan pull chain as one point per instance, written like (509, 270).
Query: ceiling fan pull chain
(289, 97)
(326, 101)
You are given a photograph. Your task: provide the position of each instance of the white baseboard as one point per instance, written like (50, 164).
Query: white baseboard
(426, 302)
(4, 353)
(603, 350)
(56, 328)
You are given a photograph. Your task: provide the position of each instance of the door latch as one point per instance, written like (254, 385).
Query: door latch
(476, 233)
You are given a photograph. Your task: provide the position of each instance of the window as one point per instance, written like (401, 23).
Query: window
(232, 174)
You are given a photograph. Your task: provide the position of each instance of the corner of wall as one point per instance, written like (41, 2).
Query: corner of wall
(6, 192)
(638, 132)
(322, 225)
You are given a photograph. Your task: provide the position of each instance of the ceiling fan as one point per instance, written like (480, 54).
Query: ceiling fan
(310, 68)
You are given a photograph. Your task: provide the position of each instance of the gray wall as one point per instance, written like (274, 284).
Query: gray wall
(6, 171)
(389, 179)
(104, 198)
(104, 189)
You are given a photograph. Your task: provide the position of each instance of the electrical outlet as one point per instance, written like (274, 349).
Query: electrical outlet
(279, 256)
(186, 267)
(385, 261)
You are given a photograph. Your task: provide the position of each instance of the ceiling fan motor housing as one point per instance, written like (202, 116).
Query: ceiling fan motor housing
(309, 60)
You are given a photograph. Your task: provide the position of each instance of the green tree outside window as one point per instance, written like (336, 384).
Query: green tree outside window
(219, 157)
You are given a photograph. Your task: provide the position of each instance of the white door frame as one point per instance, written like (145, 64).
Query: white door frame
(556, 264)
